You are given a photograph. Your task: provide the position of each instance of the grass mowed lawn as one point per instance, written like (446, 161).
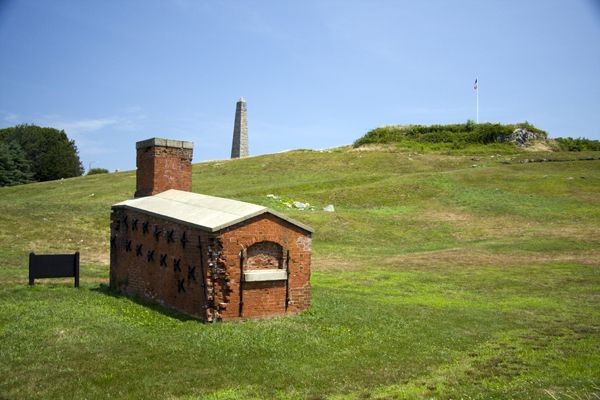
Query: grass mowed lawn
(434, 278)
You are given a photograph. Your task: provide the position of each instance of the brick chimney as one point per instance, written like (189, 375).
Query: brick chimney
(163, 164)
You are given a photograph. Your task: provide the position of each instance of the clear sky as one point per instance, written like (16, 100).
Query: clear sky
(315, 74)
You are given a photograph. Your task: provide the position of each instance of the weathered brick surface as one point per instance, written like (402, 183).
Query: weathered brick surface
(202, 274)
(262, 299)
(267, 228)
(161, 168)
(175, 282)
(264, 255)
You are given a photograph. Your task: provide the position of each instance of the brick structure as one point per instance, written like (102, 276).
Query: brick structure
(163, 164)
(213, 258)
(239, 145)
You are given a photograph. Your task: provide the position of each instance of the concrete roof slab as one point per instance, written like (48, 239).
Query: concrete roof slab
(205, 212)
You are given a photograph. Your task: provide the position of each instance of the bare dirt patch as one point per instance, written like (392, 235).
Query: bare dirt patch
(458, 258)
(452, 216)
(539, 146)
(102, 258)
(374, 147)
(336, 264)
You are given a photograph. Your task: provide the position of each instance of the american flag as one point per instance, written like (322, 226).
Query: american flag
(475, 85)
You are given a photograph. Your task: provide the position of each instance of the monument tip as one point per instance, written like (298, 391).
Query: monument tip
(242, 99)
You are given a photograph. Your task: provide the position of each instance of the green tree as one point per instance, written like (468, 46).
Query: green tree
(15, 169)
(51, 154)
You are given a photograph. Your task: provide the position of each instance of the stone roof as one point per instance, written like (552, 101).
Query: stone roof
(201, 211)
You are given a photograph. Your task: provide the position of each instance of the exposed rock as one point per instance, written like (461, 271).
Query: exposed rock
(329, 208)
(300, 206)
(289, 203)
(521, 137)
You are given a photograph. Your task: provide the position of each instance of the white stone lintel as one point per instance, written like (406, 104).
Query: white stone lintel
(260, 275)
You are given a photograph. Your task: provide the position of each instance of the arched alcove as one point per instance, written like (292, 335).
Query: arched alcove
(264, 255)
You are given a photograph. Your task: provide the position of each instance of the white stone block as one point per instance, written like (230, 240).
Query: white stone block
(260, 275)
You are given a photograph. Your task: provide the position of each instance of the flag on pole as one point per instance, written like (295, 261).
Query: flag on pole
(476, 89)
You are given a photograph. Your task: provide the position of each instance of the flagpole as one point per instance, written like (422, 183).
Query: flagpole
(477, 93)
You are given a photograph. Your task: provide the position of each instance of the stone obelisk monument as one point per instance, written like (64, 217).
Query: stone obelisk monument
(239, 146)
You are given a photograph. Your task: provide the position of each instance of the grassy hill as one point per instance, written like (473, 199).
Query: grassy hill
(464, 273)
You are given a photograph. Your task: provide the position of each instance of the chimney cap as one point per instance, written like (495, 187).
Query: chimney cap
(180, 144)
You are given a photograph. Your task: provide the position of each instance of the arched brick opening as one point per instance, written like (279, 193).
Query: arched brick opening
(264, 255)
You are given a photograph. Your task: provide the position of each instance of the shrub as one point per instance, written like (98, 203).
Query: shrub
(458, 134)
(578, 144)
(96, 171)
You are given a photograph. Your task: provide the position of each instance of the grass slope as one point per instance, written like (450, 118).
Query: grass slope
(439, 275)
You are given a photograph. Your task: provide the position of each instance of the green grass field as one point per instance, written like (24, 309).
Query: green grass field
(441, 275)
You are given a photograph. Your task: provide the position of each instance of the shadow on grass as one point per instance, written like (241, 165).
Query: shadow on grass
(169, 312)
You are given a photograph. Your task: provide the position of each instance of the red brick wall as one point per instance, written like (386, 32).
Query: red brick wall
(134, 274)
(177, 282)
(162, 168)
(262, 299)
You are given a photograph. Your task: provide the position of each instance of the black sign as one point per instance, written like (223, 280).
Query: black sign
(53, 266)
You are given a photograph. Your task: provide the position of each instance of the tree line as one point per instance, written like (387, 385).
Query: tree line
(30, 153)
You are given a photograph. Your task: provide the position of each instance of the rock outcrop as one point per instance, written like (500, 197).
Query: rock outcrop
(521, 137)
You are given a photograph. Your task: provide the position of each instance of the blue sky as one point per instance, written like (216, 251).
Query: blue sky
(315, 74)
